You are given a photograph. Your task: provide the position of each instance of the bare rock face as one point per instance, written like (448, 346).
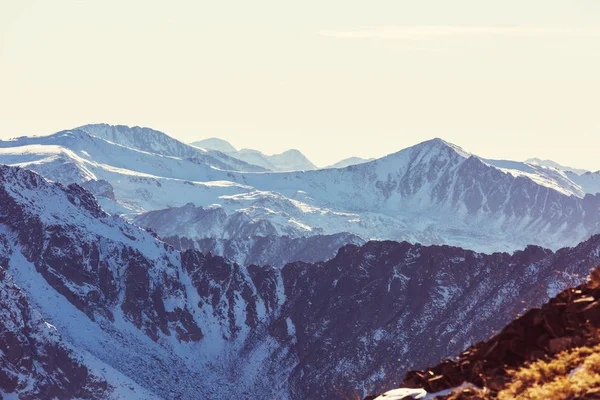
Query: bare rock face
(269, 250)
(190, 325)
(566, 321)
(34, 362)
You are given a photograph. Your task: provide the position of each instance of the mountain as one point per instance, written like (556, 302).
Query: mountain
(152, 141)
(244, 236)
(437, 187)
(38, 363)
(215, 144)
(189, 325)
(555, 165)
(260, 214)
(350, 161)
(589, 181)
(271, 250)
(290, 160)
(544, 353)
(431, 193)
(138, 180)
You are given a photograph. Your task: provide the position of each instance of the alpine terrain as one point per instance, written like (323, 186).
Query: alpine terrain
(431, 193)
(130, 316)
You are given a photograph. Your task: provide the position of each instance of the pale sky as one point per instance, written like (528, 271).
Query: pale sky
(333, 78)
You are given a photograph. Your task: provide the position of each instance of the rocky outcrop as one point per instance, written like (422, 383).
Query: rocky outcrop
(269, 250)
(34, 361)
(566, 321)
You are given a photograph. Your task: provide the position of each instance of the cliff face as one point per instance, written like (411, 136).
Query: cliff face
(35, 363)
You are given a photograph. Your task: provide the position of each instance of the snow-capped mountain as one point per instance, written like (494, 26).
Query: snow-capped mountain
(187, 325)
(586, 181)
(290, 160)
(431, 193)
(589, 181)
(555, 165)
(152, 141)
(215, 144)
(436, 187)
(350, 161)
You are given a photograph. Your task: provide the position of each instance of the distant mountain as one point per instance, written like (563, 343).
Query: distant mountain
(438, 188)
(190, 325)
(290, 160)
(138, 179)
(350, 161)
(554, 164)
(588, 181)
(431, 193)
(201, 222)
(152, 141)
(215, 144)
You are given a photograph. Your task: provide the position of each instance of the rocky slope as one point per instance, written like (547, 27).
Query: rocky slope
(34, 362)
(269, 250)
(569, 320)
(187, 325)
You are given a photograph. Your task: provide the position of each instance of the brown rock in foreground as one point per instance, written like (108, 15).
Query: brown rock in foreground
(566, 321)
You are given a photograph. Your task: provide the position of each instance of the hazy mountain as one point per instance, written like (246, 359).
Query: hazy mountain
(554, 164)
(215, 144)
(350, 161)
(290, 160)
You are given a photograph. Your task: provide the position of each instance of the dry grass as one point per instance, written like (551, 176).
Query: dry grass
(572, 374)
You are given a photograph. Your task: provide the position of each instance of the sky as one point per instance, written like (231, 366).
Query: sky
(508, 79)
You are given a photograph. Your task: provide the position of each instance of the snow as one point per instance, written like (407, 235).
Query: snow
(421, 394)
(77, 329)
(403, 394)
(418, 194)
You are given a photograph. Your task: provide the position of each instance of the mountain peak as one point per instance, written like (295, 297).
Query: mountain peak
(555, 165)
(216, 144)
(350, 161)
(441, 143)
(431, 149)
(293, 159)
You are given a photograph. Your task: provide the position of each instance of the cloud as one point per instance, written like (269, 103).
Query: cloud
(428, 31)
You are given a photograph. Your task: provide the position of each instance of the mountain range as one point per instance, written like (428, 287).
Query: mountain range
(290, 160)
(432, 193)
(129, 316)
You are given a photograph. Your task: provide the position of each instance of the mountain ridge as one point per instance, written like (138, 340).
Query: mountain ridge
(289, 160)
(431, 193)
